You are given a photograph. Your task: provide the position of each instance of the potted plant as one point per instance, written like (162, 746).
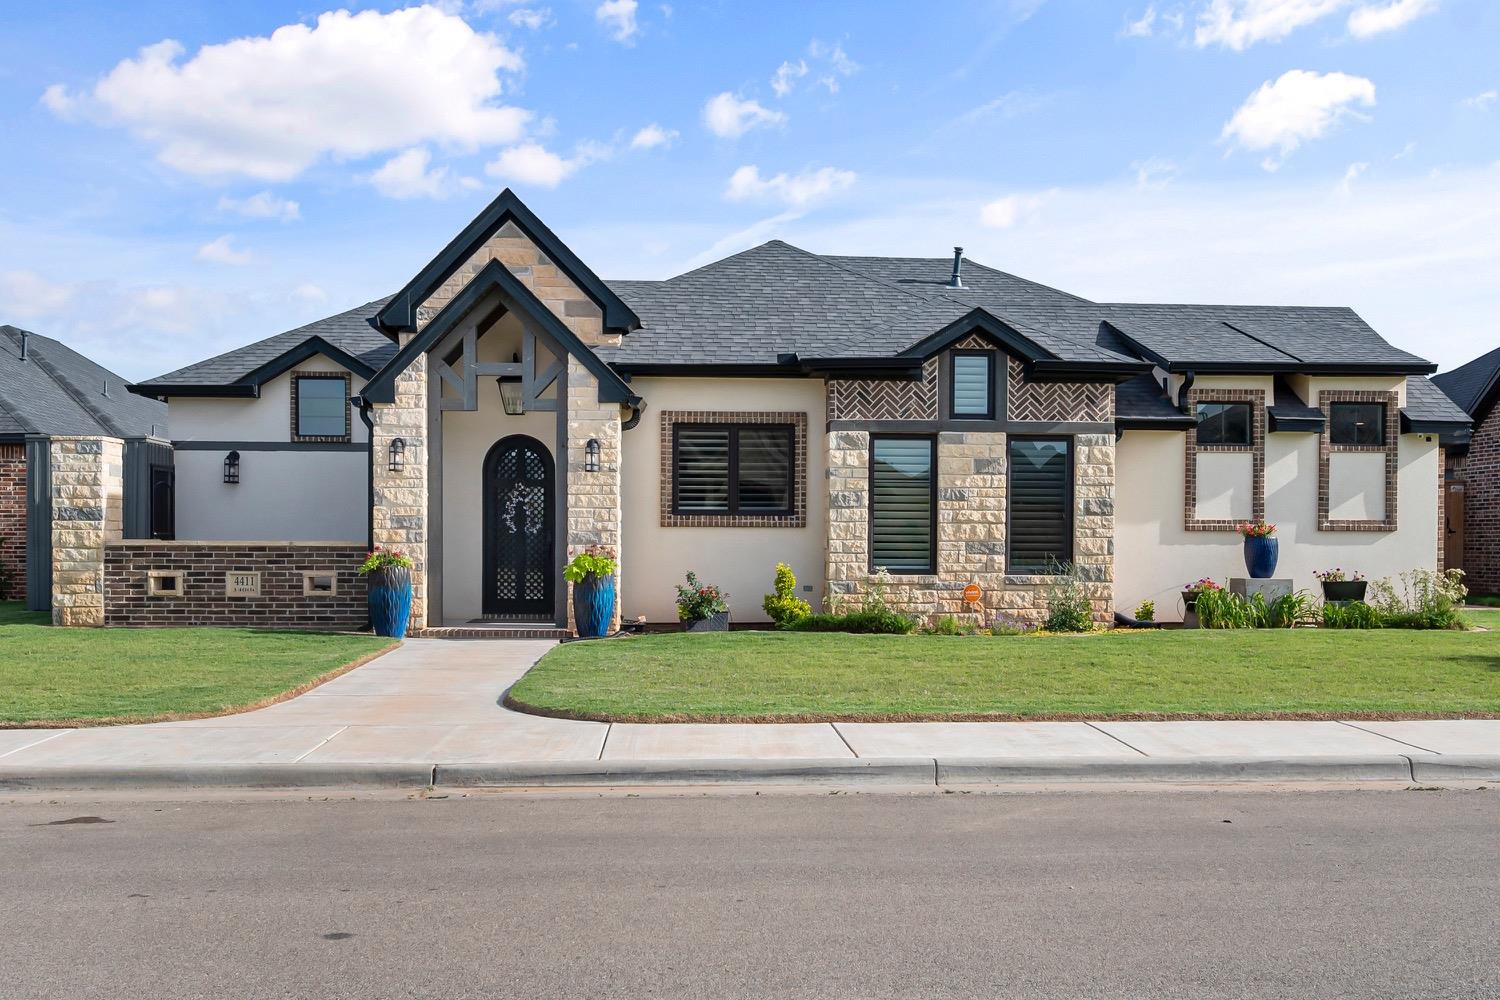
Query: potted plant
(1190, 594)
(1260, 549)
(592, 574)
(388, 591)
(701, 606)
(1342, 585)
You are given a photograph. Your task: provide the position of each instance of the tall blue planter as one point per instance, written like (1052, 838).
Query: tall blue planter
(1260, 557)
(389, 597)
(594, 605)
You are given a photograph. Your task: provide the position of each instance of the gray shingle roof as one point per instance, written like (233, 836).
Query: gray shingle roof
(1426, 401)
(59, 391)
(1466, 384)
(1143, 398)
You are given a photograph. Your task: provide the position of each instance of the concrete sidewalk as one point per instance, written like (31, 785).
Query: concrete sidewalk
(429, 712)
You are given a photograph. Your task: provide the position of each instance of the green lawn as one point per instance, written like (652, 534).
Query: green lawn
(769, 676)
(98, 676)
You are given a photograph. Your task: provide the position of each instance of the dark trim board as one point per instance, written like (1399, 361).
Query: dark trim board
(38, 524)
(247, 386)
(163, 390)
(271, 445)
(897, 428)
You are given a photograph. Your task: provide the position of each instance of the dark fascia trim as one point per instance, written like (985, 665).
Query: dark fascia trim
(248, 385)
(1153, 423)
(629, 370)
(1274, 367)
(1086, 371)
(162, 391)
(978, 320)
(382, 387)
(1419, 425)
(1296, 423)
(270, 446)
(400, 313)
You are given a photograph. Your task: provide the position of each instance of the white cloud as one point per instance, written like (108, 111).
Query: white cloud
(221, 251)
(1375, 20)
(348, 86)
(1154, 172)
(533, 19)
(781, 80)
(1406, 150)
(30, 295)
(1238, 24)
(409, 174)
(1004, 213)
(308, 292)
(1297, 106)
(264, 205)
(531, 163)
(836, 56)
(618, 16)
(1482, 102)
(653, 135)
(796, 190)
(729, 117)
(1144, 26)
(1345, 187)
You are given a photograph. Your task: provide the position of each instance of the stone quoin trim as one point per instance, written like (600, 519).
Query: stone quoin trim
(796, 519)
(1326, 447)
(1257, 449)
(297, 376)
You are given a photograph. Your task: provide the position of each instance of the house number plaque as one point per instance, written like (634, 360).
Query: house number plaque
(241, 584)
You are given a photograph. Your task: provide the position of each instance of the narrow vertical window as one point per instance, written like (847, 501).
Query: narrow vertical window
(1040, 532)
(903, 504)
(973, 395)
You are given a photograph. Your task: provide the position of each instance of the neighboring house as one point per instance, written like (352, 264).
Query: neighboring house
(49, 396)
(948, 422)
(1474, 474)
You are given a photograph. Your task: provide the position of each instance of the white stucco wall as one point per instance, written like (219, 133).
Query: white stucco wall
(282, 495)
(1226, 485)
(1154, 556)
(1356, 486)
(741, 560)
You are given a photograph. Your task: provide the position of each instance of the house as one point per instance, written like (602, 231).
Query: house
(950, 423)
(55, 402)
(1473, 472)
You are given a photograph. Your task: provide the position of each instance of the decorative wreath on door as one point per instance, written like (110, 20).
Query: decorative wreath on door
(529, 501)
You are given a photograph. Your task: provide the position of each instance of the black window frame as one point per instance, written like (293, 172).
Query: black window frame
(733, 508)
(1380, 424)
(989, 358)
(1249, 408)
(932, 503)
(297, 380)
(1070, 502)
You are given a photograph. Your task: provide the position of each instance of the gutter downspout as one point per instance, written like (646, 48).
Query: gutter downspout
(1187, 383)
(364, 416)
(635, 415)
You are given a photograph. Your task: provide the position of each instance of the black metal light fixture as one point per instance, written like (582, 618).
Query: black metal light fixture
(232, 468)
(591, 456)
(398, 454)
(511, 395)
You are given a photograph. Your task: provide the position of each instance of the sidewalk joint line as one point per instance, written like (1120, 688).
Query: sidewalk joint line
(44, 739)
(321, 743)
(1411, 766)
(1117, 739)
(1386, 737)
(609, 728)
(840, 734)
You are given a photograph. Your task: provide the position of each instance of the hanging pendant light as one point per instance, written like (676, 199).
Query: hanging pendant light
(512, 396)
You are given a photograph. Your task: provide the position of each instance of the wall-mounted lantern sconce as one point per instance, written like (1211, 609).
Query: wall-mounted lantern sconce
(232, 468)
(511, 396)
(398, 454)
(591, 456)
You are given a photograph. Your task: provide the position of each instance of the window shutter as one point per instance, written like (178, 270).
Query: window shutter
(1040, 497)
(703, 468)
(765, 464)
(901, 504)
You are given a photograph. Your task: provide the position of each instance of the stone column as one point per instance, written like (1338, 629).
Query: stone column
(87, 513)
(848, 552)
(593, 497)
(400, 514)
(1094, 520)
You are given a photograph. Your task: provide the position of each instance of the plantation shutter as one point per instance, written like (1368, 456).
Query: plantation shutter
(971, 384)
(1041, 525)
(765, 467)
(901, 504)
(702, 468)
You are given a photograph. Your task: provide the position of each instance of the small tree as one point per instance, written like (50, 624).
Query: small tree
(784, 606)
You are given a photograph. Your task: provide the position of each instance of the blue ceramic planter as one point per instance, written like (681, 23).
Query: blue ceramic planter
(1260, 557)
(594, 605)
(389, 597)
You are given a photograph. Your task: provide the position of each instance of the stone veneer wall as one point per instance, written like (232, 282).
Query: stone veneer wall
(204, 565)
(400, 513)
(87, 514)
(971, 528)
(1481, 476)
(12, 522)
(594, 516)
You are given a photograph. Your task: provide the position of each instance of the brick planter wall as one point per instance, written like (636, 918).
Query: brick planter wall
(13, 522)
(1481, 475)
(281, 603)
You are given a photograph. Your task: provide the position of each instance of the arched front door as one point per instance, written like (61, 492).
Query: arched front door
(520, 571)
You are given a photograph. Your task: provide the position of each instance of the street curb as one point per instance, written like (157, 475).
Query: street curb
(1457, 767)
(814, 771)
(991, 770)
(79, 777)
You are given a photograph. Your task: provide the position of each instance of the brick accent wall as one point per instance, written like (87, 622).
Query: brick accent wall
(1257, 449)
(1442, 511)
(798, 516)
(1057, 401)
(203, 565)
(1326, 398)
(87, 514)
(885, 399)
(13, 522)
(1481, 475)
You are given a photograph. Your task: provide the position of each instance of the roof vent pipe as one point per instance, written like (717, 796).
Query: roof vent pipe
(106, 387)
(958, 264)
(24, 338)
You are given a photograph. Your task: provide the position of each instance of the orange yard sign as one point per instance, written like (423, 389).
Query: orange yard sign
(971, 593)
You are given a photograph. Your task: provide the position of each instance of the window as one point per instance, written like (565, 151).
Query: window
(732, 469)
(320, 406)
(1224, 424)
(903, 504)
(1361, 424)
(973, 386)
(1040, 533)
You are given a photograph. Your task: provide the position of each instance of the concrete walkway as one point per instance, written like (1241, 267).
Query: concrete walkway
(433, 707)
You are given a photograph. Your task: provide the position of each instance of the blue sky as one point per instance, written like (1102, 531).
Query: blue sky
(185, 179)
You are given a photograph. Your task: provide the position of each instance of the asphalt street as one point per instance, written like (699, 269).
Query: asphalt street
(1172, 893)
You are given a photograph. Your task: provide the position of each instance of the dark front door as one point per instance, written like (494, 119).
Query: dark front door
(520, 568)
(163, 502)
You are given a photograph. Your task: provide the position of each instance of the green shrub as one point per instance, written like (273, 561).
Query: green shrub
(1068, 606)
(784, 606)
(1420, 599)
(1219, 609)
(950, 625)
(858, 622)
(698, 601)
(1350, 614)
(1289, 611)
(1146, 611)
